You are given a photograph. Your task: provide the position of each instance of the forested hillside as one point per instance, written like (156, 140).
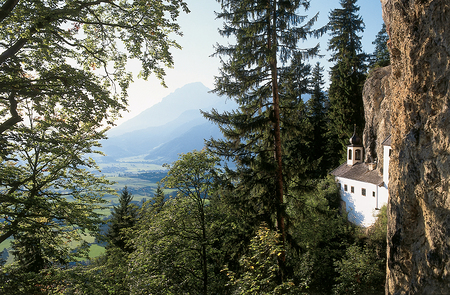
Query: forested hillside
(251, 211)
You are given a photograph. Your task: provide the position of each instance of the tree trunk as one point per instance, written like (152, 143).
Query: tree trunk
(277, 137)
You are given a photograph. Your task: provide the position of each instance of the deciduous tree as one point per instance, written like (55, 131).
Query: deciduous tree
(46, 183)
(174, 244)
(74, 53)
(63, 80)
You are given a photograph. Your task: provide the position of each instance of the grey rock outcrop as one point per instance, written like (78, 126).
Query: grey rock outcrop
(376, 98)
(419, 186)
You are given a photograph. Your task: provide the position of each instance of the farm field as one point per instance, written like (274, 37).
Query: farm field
(141, 180)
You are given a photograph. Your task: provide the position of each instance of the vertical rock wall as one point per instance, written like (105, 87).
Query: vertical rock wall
(377, 106)
(419, 185)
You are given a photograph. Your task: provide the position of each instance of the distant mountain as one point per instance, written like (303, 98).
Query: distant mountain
(173, 126)
(192, 96)
(139, 142)
(188, 141)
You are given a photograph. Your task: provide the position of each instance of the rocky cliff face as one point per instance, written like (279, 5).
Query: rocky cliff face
(377, 105)
(419, 185)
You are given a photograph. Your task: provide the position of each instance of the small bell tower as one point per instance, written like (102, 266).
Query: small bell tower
(355, 150)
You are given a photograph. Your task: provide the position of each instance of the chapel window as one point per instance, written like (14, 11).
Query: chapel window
(357, 155)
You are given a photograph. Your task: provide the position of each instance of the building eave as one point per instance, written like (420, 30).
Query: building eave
(358, 172)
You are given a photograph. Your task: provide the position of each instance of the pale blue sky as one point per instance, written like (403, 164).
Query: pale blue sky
(194, 64)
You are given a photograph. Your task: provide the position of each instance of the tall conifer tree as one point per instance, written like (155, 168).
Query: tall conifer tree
(347, 77)
(317, 113)
(267, 34)
(381, 56)
(123, 217)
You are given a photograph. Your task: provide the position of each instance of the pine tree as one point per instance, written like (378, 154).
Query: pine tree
(347, 78)
(267, 35)
(381, 56)
(123, 217)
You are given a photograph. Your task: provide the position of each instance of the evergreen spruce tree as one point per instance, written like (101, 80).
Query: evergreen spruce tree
(381, 56)
(300, 161)
(347, 78)
(317, 113)
(267, 35)
(29, 253)
(123, 217)
(158, 199)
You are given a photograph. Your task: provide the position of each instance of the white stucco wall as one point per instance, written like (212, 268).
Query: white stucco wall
(383, 196)
(386, 159)
(361, 209)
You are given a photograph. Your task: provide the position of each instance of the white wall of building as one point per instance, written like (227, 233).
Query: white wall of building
(362, 209)
(383, 196)
(386, 159)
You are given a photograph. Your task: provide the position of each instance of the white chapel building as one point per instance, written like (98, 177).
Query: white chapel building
(363, 189)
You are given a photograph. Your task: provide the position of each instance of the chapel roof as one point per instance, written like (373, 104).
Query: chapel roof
(355, 140)
(387, 141)
(359, 172)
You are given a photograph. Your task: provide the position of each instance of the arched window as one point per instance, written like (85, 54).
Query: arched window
(357, 155)
(349, 154)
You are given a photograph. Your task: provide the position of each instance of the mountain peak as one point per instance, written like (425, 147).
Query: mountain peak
(189, 97)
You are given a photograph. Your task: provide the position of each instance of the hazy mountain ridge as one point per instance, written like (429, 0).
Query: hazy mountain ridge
(170, 127)
(193, 96)
(194, 138)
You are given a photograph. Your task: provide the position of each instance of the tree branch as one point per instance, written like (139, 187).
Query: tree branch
(57, 14)
(6, 8)
(15, 118)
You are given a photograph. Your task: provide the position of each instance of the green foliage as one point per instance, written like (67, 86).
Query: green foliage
(317, 109)
(64, 79)
(158, 200)
(175, 240)
(106, 274)
(347, 78)
(15, 281)
(74, 54)
(319, 235)
(264, 73)
(378, 231)
(363, 268)
(359, 272)
(123, 219)
(261, 271)
(49, 197)
(381, 56)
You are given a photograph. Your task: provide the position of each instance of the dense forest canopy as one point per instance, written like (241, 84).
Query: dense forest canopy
(253, 213)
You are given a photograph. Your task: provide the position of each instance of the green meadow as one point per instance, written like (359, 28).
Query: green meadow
(141, 178)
